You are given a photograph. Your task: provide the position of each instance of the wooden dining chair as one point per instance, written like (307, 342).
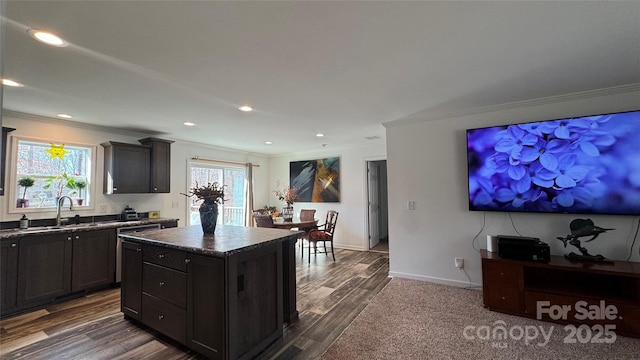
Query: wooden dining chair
(323, 233)
(263, 220)
(306, 215)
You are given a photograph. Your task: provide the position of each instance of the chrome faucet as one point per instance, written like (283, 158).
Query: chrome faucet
(60, 203)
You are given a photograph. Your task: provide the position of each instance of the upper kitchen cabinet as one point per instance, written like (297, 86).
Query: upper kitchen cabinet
(127, 168)
(3, 156)
(160, 164)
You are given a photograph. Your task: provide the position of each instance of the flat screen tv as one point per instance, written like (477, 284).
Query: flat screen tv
(581, 165)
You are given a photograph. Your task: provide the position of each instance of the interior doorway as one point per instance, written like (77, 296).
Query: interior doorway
(378, 214)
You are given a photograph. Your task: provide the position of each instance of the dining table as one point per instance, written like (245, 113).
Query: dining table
(280, 223)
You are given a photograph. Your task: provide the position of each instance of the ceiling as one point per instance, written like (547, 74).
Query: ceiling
(339, 68)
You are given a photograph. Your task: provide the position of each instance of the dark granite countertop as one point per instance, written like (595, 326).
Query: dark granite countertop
(114, 224)
(226, 241)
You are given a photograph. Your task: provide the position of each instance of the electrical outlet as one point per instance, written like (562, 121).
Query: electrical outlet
(411, 205)
(459, 262)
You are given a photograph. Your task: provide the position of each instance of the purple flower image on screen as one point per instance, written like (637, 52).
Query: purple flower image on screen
(580, 165)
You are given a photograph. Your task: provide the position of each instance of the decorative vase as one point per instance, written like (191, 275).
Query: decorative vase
(80, 201)
(23, 203)
(287, 212)
(208, 216)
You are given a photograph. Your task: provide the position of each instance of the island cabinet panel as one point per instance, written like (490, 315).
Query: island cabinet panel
(225, 303)
(255, 307)
(131, 284)
(44, 268)
(94, 259)
(9, 274)
(206, 306)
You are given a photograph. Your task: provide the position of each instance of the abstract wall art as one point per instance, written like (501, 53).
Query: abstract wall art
(316, 180)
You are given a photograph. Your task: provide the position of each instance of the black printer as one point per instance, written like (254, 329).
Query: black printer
(523, 248)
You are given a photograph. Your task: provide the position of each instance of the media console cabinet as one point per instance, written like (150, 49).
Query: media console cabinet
(572, 292)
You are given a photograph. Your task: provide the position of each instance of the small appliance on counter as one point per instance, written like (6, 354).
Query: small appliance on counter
(129, 213)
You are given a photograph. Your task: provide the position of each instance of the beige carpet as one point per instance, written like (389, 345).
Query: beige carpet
(412, 319)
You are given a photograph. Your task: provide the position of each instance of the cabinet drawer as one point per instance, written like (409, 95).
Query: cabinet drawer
(502, 298)
(501, 273)
(165, 317)
(171, 258)
(165, 284)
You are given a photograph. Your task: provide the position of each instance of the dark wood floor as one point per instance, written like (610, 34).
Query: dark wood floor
(330, 296)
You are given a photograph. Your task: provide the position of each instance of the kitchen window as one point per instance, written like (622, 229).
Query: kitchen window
(56, 170)
(231, 212)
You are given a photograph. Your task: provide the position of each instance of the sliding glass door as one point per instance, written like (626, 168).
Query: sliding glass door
(231, 212)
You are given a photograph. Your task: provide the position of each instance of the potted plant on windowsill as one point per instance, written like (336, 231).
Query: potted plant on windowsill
(80, 184)
(59, 182)
(26, 182)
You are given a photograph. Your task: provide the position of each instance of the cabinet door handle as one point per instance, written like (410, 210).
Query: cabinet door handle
(69, 238)
(161, 256)
(501, 274)
(161, 283)
(138, 249)
(160, 317)
(14, 245)
(186, 261)
(503, 298)
(115, 188)
(77, 237)
(155, 189)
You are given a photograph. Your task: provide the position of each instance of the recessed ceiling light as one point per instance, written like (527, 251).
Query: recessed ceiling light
(268, 142)
(9, 82)
(47, 38)
(245, 108)
(319, 135)
(188, 123)
(65, 116)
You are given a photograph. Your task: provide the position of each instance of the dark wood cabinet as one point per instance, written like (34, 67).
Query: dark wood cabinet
(94, 259)
(227, 307)
(131, 284)
(517, 287)
(9, 273)
(3, 156)
(126, 168)
(160, 164)
(206, 306)
(44, 268)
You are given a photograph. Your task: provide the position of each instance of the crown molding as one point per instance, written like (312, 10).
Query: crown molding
(423, 117)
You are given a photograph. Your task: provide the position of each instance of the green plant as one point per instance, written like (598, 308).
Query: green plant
(213, 191)
(26, 182)
(81, 184)
(59, 182)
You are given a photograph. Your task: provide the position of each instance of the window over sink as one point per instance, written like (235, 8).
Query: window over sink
(55, 169)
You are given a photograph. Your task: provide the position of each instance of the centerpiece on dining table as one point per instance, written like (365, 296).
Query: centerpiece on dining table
(211, 195)
(289, 196)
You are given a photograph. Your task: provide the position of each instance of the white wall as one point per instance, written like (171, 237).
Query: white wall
(351, 232)
(427, 163)
(60, 132)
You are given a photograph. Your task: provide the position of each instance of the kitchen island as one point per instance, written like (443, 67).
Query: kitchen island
(224, 295)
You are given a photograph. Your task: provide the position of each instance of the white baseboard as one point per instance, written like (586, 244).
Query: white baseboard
(349, 247)
(433, 279)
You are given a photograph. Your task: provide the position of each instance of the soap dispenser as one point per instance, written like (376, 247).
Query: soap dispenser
(24, 222)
